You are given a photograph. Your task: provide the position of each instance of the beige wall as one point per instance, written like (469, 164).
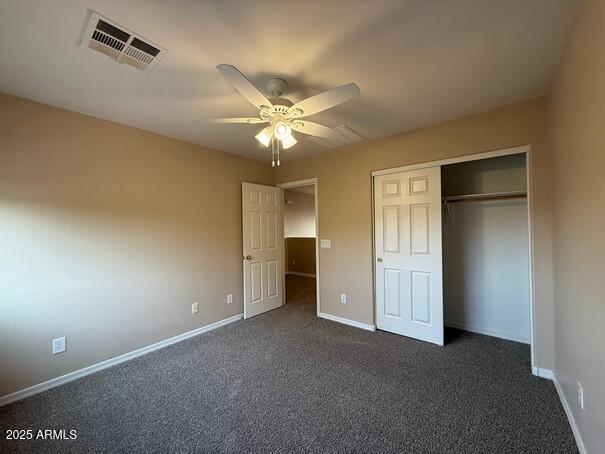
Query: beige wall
(108, 234)
(299, 214)
(300, 255)
(345, 204)
(577, 140)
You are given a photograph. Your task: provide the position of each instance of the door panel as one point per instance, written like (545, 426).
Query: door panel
(392, 293)
(391, 228)
(271, 278)
(271, 241)
(421, 297)
(409, 295)
(256, 281)
(262, 248)
(419, 228)
(255, 230)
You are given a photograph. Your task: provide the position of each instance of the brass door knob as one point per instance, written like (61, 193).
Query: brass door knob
(379, 260)
(248, 257)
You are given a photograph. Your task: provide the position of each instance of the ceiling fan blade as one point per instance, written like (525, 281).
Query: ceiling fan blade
(326, 100)
(243, 85)
(317, 130)
(238, 120)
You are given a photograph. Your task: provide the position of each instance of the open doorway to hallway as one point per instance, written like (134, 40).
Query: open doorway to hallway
(300, 248)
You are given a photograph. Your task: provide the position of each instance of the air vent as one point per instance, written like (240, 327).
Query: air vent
(348, 136)
(324, 142)
(120, 44)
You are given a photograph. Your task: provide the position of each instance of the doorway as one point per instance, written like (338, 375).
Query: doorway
(452, 245)
(301, 258)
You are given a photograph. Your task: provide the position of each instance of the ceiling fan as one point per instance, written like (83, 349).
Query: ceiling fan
(281, 114)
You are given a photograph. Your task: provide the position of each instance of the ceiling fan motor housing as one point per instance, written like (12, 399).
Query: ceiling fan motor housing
(276, 87)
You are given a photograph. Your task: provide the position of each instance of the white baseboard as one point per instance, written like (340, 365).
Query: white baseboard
(346, 321)
(53, 382)
(486, 332)
(296, 273)
(569, 413)
(544, 373)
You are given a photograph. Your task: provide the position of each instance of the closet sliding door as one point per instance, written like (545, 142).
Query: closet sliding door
(409, 295)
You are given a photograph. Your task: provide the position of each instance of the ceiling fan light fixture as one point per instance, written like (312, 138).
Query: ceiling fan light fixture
(288, 142)
(282, 130)
(264, 136)
(284, 116)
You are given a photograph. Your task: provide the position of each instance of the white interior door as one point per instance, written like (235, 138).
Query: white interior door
(262, 248)
(409, 294)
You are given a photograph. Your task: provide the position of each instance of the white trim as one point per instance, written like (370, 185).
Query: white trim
(296, 273)
(532, 286)
(455, 160)
(53, 382)
(486, 332)
(295, 184)
(543, 373)
(570, 417)
(346, 321)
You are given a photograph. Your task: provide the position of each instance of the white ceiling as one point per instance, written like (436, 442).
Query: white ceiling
(417, 62)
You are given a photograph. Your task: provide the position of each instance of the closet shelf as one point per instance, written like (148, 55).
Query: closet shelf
(485, 196)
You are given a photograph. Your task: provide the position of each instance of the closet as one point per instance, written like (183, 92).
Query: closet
(451, 246)
(486, 247)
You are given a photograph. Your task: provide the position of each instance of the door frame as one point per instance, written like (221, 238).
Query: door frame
(295, 184)
(523, 149)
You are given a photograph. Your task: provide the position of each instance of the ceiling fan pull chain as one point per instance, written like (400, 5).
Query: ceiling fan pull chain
(273, 151)
(278, 153)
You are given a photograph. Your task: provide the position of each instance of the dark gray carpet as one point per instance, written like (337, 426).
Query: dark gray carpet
(287, 381)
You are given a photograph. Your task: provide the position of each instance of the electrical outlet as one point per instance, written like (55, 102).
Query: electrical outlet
(229, 298)
(293, 261)
(343, 298)
(59, 345)
(195, 308)
(580, 396)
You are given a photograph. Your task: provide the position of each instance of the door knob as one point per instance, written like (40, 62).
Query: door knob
(379, 260)
(248, 257)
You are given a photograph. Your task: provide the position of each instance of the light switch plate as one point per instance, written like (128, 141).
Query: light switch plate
(325, 244)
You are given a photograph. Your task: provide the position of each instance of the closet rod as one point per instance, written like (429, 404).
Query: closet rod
(486, 196)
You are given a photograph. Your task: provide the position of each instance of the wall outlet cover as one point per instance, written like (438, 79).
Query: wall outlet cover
(229, 298)
(580, 396)
(195, 308)
(59, 345)
(343, 298)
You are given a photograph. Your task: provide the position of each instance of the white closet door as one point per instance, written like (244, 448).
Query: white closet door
(409, 294)
(262, 248)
